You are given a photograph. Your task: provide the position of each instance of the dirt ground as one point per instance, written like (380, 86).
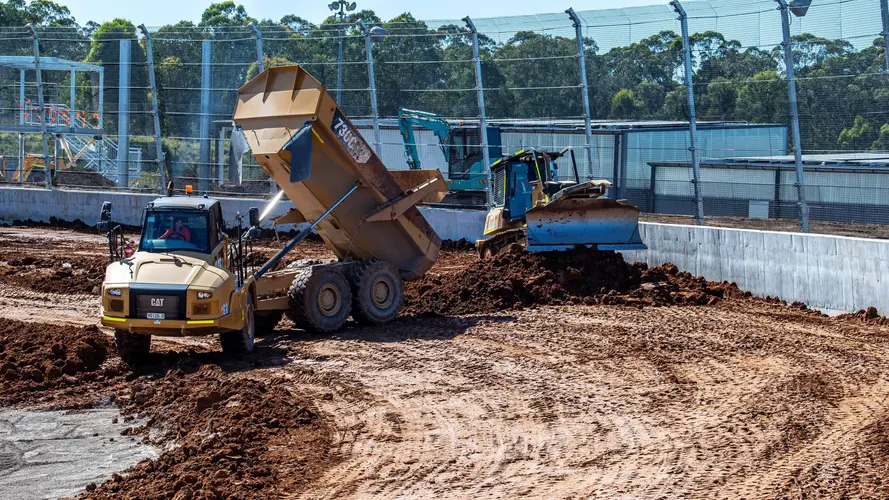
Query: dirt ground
(643, 393)
(854, 229)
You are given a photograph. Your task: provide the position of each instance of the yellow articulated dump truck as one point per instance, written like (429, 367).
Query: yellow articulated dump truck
(187, 276)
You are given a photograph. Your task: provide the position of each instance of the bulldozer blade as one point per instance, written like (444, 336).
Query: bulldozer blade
(604, 224)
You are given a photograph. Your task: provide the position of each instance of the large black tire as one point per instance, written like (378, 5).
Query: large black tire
(320, 299)
(266, 321)
(241, 342)
(377, 292)
(133, 348)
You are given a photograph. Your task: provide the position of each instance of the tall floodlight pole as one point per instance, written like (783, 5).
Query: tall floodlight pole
(799, 8)
(692, 115)
(42, 104)
(369, 36)
(339, 8)
(483, 120)
(258, 34)
(584, 89)
(152, 82)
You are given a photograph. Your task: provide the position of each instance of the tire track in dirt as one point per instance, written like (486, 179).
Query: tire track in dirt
(36, 307)
(600, 402)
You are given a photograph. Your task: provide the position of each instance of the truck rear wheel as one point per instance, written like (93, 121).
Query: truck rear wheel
(241, 342)
(266, 321)
(133, 348)
(377, 292)
(320, 299)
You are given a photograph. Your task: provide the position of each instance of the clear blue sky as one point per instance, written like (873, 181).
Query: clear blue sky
(161, 12)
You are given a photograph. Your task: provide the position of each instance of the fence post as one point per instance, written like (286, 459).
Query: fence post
(259, 59)
(273, 187)
(162, 177)
(339, 64)
(884, 14)
(374, 111)
(123, 117)
(21, 122)
(794, 117)
(584, 89)
(483, 120)
(42, 104)
(692, 115)
(206, 108)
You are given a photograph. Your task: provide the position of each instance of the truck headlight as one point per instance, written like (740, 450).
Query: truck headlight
(205, 295)
(114, 292)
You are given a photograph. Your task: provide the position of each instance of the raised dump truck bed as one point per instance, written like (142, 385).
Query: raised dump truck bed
(306, 144)
(189, 278)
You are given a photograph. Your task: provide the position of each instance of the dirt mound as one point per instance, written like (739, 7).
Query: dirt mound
(81, 177)
(55, 274)
(38, 358)
(869, 316)
(457, 245)
(236, 438)
(518, 279)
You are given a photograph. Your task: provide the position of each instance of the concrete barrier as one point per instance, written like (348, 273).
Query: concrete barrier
(40, 204)
(832, 273)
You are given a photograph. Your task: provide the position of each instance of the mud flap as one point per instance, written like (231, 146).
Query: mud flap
(599, 223)
(300, 148)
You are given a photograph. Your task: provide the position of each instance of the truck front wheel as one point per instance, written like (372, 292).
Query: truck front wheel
(241, 342)
(320, 299)
(133, 348)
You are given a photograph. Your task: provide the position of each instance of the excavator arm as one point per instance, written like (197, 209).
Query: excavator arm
(408, 119)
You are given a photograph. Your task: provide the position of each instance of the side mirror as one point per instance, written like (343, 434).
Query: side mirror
(105, 217)
(253, 216)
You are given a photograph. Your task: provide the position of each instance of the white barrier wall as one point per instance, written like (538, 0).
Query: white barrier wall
(40, 204)
(832, 273)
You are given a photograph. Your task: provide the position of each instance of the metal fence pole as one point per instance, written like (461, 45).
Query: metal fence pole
(259, 58)
(206, 109)
(692, 116)
(374, 110)
(884, 14)
(162, 177)
(21, 122)
(273, 187)
(42, 104)
(483, 120)
(339, 65)
(584, 89)
(794, 117)
(123, 117)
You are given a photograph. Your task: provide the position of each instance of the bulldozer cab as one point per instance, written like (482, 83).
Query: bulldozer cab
(525, 179)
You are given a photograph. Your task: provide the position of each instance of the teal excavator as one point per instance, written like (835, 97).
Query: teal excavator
(459, 143)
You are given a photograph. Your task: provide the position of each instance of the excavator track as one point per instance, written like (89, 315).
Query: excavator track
(499, 242)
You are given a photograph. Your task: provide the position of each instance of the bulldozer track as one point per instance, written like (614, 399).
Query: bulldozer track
(497, 243)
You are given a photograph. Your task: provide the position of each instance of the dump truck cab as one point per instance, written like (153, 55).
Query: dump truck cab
(182, 280)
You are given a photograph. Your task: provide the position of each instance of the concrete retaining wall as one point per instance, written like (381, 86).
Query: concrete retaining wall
(40, 204)
(832, 273)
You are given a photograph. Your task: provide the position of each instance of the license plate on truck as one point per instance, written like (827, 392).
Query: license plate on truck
(157, 307)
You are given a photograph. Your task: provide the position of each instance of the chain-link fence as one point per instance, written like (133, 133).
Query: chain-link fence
(626, 119)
